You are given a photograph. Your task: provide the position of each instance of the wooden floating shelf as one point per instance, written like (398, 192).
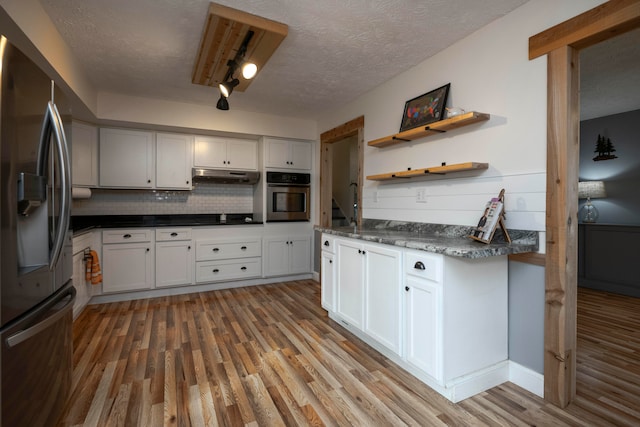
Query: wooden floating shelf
(431, 129)
(435, 170)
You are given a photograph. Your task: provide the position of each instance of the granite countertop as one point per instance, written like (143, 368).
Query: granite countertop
(438, 238)
(88, 222)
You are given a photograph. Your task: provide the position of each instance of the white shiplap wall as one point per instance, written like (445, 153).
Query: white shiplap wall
(490, 72)
(461, 200)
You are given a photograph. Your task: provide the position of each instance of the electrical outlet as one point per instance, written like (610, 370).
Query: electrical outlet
(421, 195)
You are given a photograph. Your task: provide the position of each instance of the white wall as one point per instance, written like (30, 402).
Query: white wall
(490, 72)
(123, 109)
(622, 175)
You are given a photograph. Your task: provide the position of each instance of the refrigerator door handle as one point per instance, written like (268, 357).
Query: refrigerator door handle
(25, 334)
(52, 124)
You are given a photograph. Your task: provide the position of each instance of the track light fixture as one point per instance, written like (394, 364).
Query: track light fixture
(227, 87)
(248, 69)
(222, 104)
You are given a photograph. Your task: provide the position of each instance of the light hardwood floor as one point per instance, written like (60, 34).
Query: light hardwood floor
(269, 355)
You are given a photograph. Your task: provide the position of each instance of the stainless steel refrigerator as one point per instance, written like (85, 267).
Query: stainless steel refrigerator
(36, 293)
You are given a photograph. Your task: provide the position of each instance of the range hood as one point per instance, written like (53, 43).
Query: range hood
(222, 176)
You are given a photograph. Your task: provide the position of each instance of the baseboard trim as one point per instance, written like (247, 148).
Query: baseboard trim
(526, 378)
(455, 390)
(181, 290)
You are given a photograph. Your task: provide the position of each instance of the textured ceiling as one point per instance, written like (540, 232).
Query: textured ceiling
(336, 50)
(610, 76)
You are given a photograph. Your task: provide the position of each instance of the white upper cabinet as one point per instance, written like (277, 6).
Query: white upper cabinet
(286, 154)
(126, 158)
(173, 160)
(225, 153)
(84, 155)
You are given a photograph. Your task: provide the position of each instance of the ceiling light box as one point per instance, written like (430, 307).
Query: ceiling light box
(224, 31)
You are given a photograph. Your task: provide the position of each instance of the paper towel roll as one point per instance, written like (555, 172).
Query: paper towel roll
(80, 193)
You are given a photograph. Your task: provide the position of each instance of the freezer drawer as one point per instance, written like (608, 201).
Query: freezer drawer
(36, 365)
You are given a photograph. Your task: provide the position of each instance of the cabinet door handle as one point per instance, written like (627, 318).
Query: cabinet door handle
(364, 253)
(148, 181)
(326, 243)
(188, 248)
(148, 249)
(215, 270)
(215, 249)
(243, 268)
(406, 288)
(174, 234)
(187, 182)
(330, 261)
(126, 236)
(359, 251)
(244, 248)
(419, 266)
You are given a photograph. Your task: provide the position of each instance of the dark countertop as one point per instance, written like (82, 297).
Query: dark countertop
(87, 222)
(438, 238)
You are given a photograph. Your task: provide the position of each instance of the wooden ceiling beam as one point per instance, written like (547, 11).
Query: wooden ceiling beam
(224, 31)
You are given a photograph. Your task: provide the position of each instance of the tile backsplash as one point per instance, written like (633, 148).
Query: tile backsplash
(205, 198)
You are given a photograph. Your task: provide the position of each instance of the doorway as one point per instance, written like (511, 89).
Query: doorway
(341, 160)
(561, 45)
(344, 188)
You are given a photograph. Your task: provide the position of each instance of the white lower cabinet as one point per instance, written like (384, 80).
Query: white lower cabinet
(383, 296)
(368, 290)
(456, 328)
(287, 255)
(328, 274)
(423, 314)
(84, 289)
(228, 259)
(350, 282)
(444, 318)
(174, 257)
(128, 259)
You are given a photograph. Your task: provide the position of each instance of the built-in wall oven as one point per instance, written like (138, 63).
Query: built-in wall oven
(288, 196)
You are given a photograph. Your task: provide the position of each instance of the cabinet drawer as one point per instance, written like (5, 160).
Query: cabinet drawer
(210, 250)
(424, 265)
(133, 235)
(213, 271)
(328, 243)
(168, 234)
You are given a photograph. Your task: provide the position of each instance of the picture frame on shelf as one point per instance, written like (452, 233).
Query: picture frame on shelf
(424, 109)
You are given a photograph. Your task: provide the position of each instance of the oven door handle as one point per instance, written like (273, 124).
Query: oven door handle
(273, 184)
(25, 334)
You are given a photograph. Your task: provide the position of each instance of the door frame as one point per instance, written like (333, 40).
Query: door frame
(562, 44)
(327, 139)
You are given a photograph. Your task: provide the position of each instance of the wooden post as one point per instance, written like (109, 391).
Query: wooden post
(563, 145)
(561, 43)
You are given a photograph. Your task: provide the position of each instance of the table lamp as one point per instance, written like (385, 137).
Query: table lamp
(590, 190)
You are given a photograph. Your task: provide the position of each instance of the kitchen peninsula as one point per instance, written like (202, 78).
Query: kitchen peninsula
(426, 296)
